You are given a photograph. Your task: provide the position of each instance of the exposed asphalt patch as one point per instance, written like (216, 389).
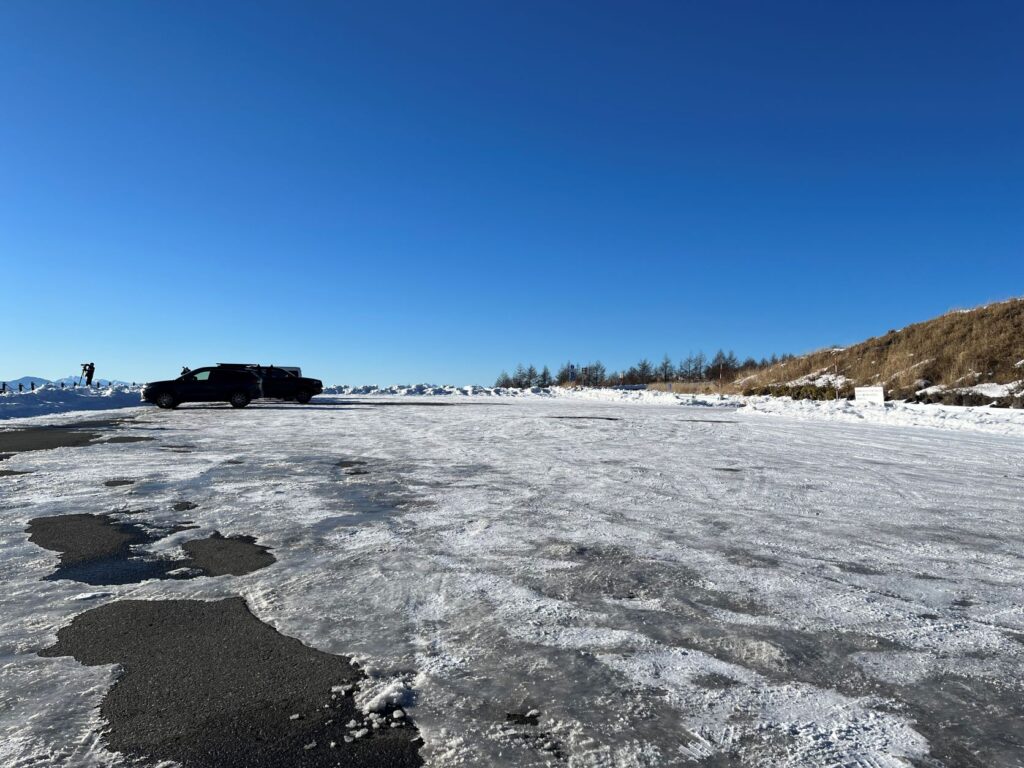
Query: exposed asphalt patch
(520, 718)
(234, 556)
(51, 436)
(183, 506)
(861, 568)
(44, 439)
(98, 550)
(13, 472)
(118, 483)
(587, 418)
(129, 439)
(727, 469)
(234, 461)
(714, 681)
(208, 685)
(353, 466)
(401, 403)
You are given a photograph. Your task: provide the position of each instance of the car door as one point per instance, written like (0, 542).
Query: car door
(276, 383)
(196, 386)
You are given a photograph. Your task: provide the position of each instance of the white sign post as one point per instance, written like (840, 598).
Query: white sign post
(874, 395)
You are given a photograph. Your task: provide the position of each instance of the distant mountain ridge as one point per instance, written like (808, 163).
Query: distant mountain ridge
(962, 349)
(26, 381)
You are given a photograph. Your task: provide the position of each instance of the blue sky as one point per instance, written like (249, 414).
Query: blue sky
(408, 191)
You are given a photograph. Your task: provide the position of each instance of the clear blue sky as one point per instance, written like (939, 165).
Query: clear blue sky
(409, 191)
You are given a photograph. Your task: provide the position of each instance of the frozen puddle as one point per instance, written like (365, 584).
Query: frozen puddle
(630, 586)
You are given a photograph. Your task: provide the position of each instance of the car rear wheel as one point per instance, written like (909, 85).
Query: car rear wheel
(239, 399)
(303, 396)
(166, 400)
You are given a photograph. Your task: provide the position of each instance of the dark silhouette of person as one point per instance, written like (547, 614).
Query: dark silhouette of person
(21, 387)
(90, 371)
(62, 385)
(32, 386)
(3, 389)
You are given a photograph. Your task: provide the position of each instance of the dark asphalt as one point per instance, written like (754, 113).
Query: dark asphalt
(234, 556)
(208, 685)
(55, 435)
(203, 684)
(80, 538)
(97, 550)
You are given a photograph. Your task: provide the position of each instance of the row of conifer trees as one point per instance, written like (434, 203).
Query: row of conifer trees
(724, 366)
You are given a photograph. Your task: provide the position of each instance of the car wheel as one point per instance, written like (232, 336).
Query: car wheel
(239, 399)
(303, 397)
(166, 400)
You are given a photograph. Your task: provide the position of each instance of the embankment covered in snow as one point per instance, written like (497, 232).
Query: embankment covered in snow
(52, 399)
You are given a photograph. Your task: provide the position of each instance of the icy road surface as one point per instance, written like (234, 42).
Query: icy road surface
(574, 583)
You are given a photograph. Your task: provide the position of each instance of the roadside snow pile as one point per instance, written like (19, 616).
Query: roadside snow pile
(973, 418)
(610, 395)
(650, 397)
(469, 390)
(53, 399)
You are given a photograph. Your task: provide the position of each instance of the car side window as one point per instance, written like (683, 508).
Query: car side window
(201, 376)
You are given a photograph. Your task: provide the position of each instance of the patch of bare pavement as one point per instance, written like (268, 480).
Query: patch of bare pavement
(51, 436)
(227, 556)
(203, 684)
(101, 550)
(208, 685)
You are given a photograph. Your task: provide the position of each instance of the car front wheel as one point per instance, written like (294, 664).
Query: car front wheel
(239, 399)
(166, 400)
(303, 397)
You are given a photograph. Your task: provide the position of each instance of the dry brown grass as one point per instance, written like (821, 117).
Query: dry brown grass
(695, 387)
(960, 348)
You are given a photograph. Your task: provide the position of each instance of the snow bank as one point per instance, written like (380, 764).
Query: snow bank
(613, 395)
(977, 419)
(52, 399)
(469, 390)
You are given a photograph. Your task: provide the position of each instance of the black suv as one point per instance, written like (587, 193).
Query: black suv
(280, 383)
(235, 383)
(237, 386)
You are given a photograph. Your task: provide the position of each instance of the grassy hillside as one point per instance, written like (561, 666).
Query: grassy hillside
(960, 349)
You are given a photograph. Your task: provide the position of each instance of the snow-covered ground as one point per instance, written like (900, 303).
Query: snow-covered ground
(661, 583)
(53, 400)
